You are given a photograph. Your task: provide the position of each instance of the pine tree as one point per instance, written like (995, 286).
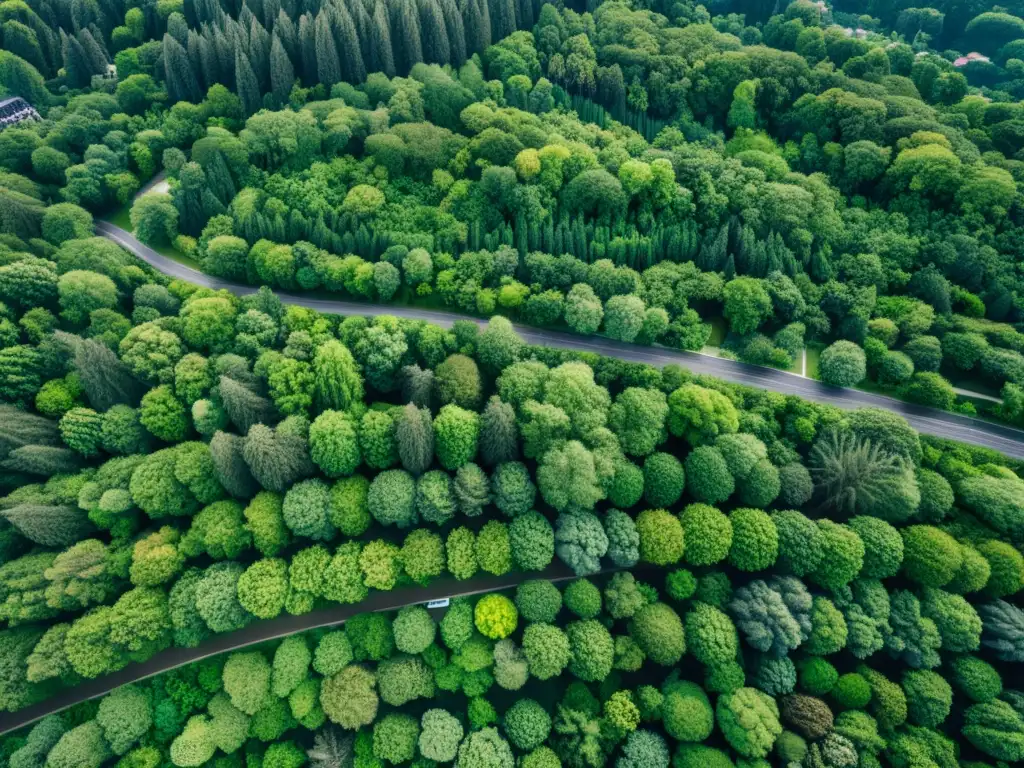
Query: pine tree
(229, 465)
(347, 40)
(436, 49)
(200, 49)
(499, 438)
(42, 460)
(713, 250)
(456, 32)
(104, 378)
(307, 46)
(282, 74)
(243, 406)
(414, 435)
(182, 84)
(271, 10)
(503, 18)
(22, 428)
(380, 35)
(76, 63)
(49, 525)
(259, 53)
(408, 47)
(276, 459)
(246, 84)
(224, 52)
(328, 64)
(284, 29)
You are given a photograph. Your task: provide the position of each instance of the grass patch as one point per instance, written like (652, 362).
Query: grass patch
(719, 328)
(813, 356)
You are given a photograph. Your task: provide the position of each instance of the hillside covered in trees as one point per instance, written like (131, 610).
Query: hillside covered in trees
(758, 580)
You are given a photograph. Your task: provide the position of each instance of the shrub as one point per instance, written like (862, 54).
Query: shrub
(495, 616)
(710, 479)
(755, 540)
(422, 556)
(485, 748)
(1006, 565)
(801, 543)
(708, 533)
(514, 491)
(623, 596)
(843, 364)
(125, 715)
(664, 479)
(661, 537)
(795, 485)
(580, 541)
(263, 588)
(527, 724)
(958, 623)
(658, 631)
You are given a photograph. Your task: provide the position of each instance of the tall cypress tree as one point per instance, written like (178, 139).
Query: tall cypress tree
(225, 54)
(282, 74)
(284, 28)
(209, 62)
(307, 46)
(182, 84)
(271, 9)
(503, 18)
(456, 32)
(405, 26)
(328, 65)
(433, 33)
(259, 53)
(477, 21)
(347, 40)
(246, 85)
(380, 36)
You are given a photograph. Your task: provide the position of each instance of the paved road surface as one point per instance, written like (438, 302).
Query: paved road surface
(928, 420)
(272, 629)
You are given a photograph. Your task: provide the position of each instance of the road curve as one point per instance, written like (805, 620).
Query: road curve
(274, 629)
(932, 421)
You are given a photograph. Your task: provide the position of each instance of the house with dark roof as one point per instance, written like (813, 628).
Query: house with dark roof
(14, 110)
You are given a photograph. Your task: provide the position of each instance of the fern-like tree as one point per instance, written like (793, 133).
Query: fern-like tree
(850, 473)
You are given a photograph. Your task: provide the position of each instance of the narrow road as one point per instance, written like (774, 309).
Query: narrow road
(273, 629)
(930, 421)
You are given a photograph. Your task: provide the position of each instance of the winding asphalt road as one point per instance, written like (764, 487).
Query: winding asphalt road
(274, 629)
(927, 420)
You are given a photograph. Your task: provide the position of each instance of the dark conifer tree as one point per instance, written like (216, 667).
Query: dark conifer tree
(271, 10)
(182, 84)
(477, 22)
(285, 30)
(246, 85)
(328, 64)
(225, 54)
(503, 18)
(282, 74)
(76, 63)
(456, 32)
(347, 40)
(433, 34)
(307, 47)
(407, 45)
(380, 38)
(259, 53)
